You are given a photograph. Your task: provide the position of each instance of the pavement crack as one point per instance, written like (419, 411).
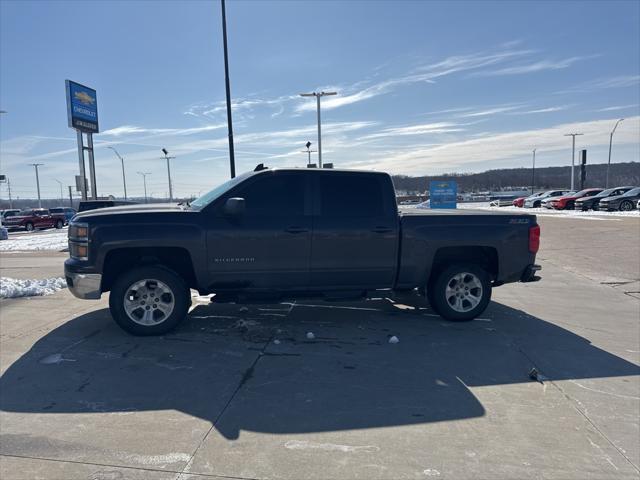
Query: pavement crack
(245, 378)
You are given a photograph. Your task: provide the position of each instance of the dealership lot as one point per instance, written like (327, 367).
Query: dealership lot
(241, 392)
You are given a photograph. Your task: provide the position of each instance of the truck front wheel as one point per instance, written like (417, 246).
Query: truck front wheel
(149, 300)
(460, 292)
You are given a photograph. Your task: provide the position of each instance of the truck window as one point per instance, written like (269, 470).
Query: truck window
(351, 196)
(274, 196)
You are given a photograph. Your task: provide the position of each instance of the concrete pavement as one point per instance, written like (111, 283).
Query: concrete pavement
(237, 393)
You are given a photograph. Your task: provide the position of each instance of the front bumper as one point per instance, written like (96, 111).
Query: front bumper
(529, 274)
(84, 285)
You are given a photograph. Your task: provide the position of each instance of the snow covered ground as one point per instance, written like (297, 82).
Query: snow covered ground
(546, 212)
(13, 288)
(35, 241)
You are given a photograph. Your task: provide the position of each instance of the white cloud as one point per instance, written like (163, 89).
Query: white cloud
(543, 110)
(490, 111)
(615, 108)
(427, 128)
(477, 152)
(538, 66)
(133, 130)
(620, 81)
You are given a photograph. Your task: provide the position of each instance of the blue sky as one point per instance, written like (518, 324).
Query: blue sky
(424, 87)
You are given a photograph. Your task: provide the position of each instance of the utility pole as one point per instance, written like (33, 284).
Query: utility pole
(61, 194)
(9, 192)
(318, 95)
(573, 154)
(36, 165)
(167, 157)
(308, 152)
(232, 159)
(606, 184)
(70, 196)
(144, 179)
(533, 171)
(124, 180)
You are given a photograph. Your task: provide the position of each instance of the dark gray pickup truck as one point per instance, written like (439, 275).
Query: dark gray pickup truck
(270, 235)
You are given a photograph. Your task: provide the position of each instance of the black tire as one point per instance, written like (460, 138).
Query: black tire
(626, 206)
(59, 224)
(537, 204)
(178, 296)
(570, 206)
(446, 278)
(29, 227)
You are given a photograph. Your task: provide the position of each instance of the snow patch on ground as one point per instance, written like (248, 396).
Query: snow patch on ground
(35, 241)
(546, 212)
(329, 447)
(13, 288)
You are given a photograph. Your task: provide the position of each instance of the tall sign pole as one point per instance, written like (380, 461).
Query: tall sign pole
(232, 159)
(318, 95)
(606, 184)
(36, 165)
(82, 116)
(573, 155)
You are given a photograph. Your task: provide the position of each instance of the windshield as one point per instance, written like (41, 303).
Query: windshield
(204, 200)
(632, 192)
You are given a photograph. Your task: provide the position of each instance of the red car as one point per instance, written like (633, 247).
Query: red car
(33, 218)
(568, 202)
(519, 202)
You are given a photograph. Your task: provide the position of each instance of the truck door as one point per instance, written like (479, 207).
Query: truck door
(269, 246)
(355, 231)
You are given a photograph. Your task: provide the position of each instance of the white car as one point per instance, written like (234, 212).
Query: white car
(535, 201)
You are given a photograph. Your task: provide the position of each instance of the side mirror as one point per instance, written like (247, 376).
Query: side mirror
(234, 207)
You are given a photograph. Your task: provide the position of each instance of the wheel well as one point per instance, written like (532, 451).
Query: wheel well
(120, 260)
(484, 257)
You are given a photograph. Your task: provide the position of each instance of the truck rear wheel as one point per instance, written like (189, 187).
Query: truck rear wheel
(460, 292)
(149, 300)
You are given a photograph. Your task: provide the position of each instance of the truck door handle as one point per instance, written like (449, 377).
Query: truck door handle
(382, 230)
(295, 229)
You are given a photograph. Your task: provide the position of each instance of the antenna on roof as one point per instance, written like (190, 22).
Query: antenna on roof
(259, 167)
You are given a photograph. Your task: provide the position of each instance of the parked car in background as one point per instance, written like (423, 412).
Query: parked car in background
(67, 212)
(519, 202)
(568, 202)
(9, 213)
(94, 204)
(546, 203)
(501, 202)
(593, 203)
(625, 202)
(535, 201)
(34, 218)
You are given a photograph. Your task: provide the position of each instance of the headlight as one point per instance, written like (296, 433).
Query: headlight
(79, 250)
(79, 241)
(79, 232)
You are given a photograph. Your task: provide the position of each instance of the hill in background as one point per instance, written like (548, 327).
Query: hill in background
(546, 178)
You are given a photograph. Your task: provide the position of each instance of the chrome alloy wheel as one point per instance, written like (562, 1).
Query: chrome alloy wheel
(463, 292)
(149, 302)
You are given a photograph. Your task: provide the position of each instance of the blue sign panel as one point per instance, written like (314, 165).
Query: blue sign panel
(82, 107)
(443, 194)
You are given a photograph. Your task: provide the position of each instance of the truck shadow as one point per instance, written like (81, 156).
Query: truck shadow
(256, 370)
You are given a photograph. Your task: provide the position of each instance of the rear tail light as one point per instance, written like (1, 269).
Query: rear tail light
(534, 239)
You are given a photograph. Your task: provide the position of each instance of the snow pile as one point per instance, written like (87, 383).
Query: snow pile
(35, 241)
(549, 212)
(12, 287)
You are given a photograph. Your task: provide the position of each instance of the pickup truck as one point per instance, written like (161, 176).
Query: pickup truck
(275, 234)
(31, 219)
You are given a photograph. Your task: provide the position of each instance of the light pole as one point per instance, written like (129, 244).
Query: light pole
(144, 179)
(232, 160)
(166, 155)
(318, 95)
(36, 165)
(308, 151)
(606, 183)
(61, 194)
(573, 153)
(533, 171)
(124, 180)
